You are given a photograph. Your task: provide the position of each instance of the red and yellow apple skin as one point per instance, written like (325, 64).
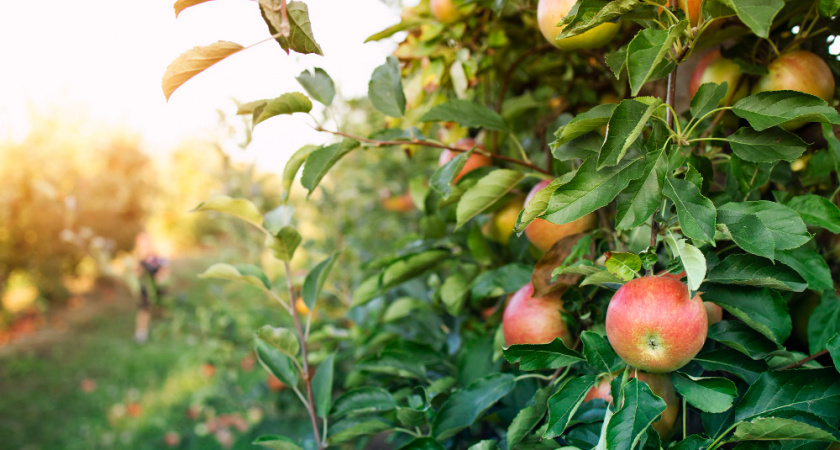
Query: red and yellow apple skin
(500, 226)
(715, 69)
(398, 203)
(694, 82)
(543, 234)
(661, 385)
(800, 71)
(445, 11)
(475, 160)
(551, 12)
(529, 320)
(654, 326)
(714, 313)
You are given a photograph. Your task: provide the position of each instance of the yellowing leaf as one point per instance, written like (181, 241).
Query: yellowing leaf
(194, 61)
(181, 5)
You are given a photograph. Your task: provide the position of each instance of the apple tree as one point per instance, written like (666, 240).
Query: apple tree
(616, 250)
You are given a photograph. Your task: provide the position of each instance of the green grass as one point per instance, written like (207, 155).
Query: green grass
(42, 405)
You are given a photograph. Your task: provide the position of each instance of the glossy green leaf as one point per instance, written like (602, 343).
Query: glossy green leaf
(282, 339)
(646, 55)
(315, 279)
(643, 195)
(444, 176)
(828, 8)
(749, 232)
(756, 14)
(299, 36)
(824, 322)
(640, 409)
(591, 189)
(352, 427)
(528, 417)
(588, 14)
(456, 290)
(817, 211)
(741, 337)
(769, 109)
(465, 113)
(625, 126)
(553, 355)
(692, 442)
(712, 395)
(465, 406)
(693, 261)
(793, 426)
(731, 361)
(764, 310)
(810, 265)
(591, 120)
(284, 243)
(623, 265)
(276, 363)
(767, 146)
(318, 85)
(385, 89)
(599, 354)
(707, 98)
(697, 213)
(293, 166)
(393, 363)
(810, 390)
(500, 281)
(238, 207)
(363, 400)
(288, 103)
(425, 443)
(322, 384)
(785, 224)
(320, 161)
(244, 274)
(833, 347)
(276, 442)
(565, 402)
(489, 189)
(539, 202)
(751, 270)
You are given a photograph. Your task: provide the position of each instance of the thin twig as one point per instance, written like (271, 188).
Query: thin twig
(804, 360)
(418, 142)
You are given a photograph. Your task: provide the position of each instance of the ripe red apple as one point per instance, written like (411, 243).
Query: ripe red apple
(529, 320)
(500, 226)
(475, 160)
(661, 385)
(714, 313)
(551, 12)
(800, 71)
(543, 234)
(653, 325)
(445, 11)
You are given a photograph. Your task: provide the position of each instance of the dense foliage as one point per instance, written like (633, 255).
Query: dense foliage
(639, 200)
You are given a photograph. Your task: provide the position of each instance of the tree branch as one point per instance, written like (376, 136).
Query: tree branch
(418, 142)
(804, 360)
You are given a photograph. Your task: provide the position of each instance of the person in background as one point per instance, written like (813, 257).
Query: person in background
(151, 270)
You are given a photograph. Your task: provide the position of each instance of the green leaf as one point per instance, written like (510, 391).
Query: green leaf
(625, 125)
(773, 108)
(352, 427)
(553, 355)
(785, 225)
(403, 307)
(696, 213)
(810, 390)
(284, 243)
(539, 203)
(293, 165)
(485, 193)
(238, 207)
(824, 322)
(282, 339)
(456, 290)
(646, 55)
(315, 279)
(588, 14)
(444, 176)
(318, 85)
(751, 270)
(833, 347)
(828, 8)
(397, 272)
(597, 117)
(764, 310)
(768, 146)
(528, 417)
(591, 189)
(623, 265)
(817, 211)
(276, 363)
(641, 407)
(565, 402)
(322, 383)
(276, 442)
(692, 260)
(385, 89)
(299, 37)
(465, 113)
(810, 265)
(244, 274)
(733, 362)
(712, 395)
(394, 29)
(465, 406)
(363, 400)
(707, 98)
(394, 363)
(743, 338)
(692, 442)
(643, 195)
(756, 14)
(794, 426)
(484, 445)
(426, 443)
(288, 103)
(749, 232)
(320, 161)
(500, 281)
(599, 354)
(617, 61)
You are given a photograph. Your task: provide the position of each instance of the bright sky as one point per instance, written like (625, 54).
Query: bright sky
(106, 58)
